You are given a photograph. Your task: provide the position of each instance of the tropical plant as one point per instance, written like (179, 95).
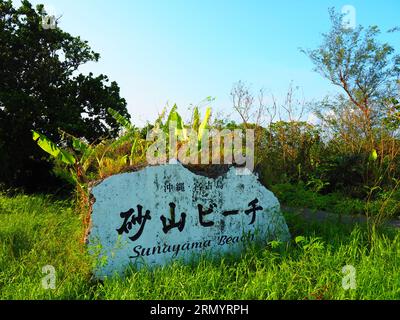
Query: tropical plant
(42, 90)
(85, 162)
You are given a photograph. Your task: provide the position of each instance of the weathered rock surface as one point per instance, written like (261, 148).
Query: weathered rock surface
(163, 213)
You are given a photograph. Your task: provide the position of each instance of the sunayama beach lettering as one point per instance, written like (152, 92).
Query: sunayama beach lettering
(166, 248)
(140, 251)
(182, 215)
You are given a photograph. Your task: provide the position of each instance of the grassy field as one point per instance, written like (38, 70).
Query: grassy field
(36, 231)
(298, 196)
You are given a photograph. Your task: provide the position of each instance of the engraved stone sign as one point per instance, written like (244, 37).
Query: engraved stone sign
(163, 213)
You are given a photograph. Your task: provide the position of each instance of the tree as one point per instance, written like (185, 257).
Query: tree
(364, 68)
(41, 89)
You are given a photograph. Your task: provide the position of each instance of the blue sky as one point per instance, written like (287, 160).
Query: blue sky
(180, 51)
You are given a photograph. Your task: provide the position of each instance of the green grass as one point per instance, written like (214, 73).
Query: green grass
(36, 231)
(298, 196)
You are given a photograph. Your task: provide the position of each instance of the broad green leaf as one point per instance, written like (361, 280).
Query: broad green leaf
(125, 138)
(204, 124)
(196, 119)
(77, 143)
(85, 149)
(51, 148)
(175, 119)
(172, 117)
(125, 123)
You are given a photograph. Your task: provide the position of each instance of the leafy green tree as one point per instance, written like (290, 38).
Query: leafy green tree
(365, 69)
(41, 89)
